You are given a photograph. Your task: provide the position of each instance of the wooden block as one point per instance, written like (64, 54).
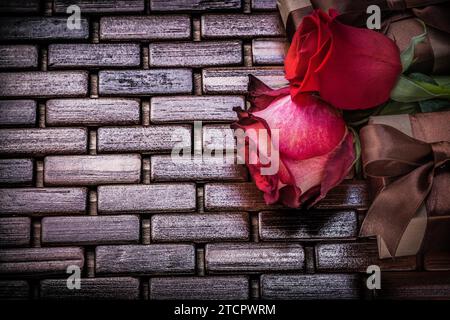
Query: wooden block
(93, 55)
(310, 286)
(143, 139)
(234, 196)
(167, 27)
(348, 195)
(145, 82)
(218, 137)
(41, 28)
(194, 5)
(40, 261)
(120, 288)
(90, 230)
(264, 4)
(195, 108)
(100, 6)
(92, 112)
(43, 200)
(16, 171)
(242, 25)
(92, 170)
(269, 51)
(235, 80)
(147, 198)
(254, 257)
(19, 6)
(414, 285)
(164, 168)
(304, 225)
(17, 113)
(15, 232)
(200, 288)
(42, 141)
(195, 54)
(200, 227)
(18, 56)
(356, 257)
(44, 84)
(145, 259)
(14, 290)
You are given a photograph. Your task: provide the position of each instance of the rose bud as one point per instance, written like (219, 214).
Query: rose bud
(313, 149)
(351, 68)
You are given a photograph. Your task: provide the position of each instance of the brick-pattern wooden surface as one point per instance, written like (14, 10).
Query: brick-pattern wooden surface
(88, 120)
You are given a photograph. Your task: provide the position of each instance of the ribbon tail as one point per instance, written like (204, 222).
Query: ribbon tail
(396, 205)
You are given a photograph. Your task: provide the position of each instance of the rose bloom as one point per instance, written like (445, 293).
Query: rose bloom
(351, 68)
(315, 147)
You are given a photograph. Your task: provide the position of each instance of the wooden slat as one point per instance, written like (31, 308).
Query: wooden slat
(18, 56)
(235, 80)
(242, 25)
(93, 55)
(200, 288)
(41, 28)
(245, 196)
(92, 170)
(145, 27)
(93, 230)
(437, 261)
(219, 138)
(19, 6)
(356, 257)
(166, 168)
(15, 232)
(348, 195)
(120, 288)
(147, 198)
(200, 227)
(195, 54)
(264, 4)
(310, 286)
(254, 257)
(17, 113)
(39, 261)
(414, 285)
(194, 5)
(100, 6)
(44, 84)
(16, 171)
(195, 108)
(269, 51)
(43, 200)
(298, 225)
(42, 141)
(234, 196)
(14, 290)
(92, 112)
(145, 82)
(145, 259)
(151, 139)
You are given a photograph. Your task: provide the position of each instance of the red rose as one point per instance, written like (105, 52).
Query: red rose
(315, 148)
(351, 68)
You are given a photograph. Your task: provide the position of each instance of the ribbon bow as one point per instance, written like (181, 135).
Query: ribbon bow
(389, 153)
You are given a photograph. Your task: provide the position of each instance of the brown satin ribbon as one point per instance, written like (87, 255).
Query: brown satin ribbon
(411, 163)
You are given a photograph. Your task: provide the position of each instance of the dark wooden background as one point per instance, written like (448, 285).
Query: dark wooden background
(86, 179)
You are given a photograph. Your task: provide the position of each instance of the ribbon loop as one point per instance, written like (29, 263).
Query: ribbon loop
(387, 152)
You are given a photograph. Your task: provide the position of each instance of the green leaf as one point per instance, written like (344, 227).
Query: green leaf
(410, 90)
(407, 56)
(395, 107)
(434, 105)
